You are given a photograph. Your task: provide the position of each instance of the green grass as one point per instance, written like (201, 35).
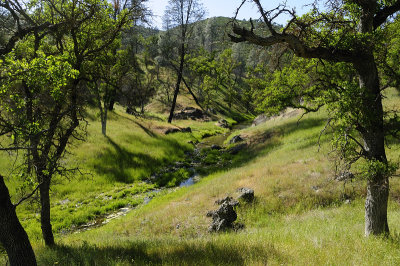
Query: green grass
(112, 169)
(300, 214)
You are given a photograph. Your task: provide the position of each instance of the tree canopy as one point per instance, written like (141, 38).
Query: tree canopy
(340, 53)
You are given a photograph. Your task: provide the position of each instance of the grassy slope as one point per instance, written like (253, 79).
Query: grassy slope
(299, 217)
(112, 168)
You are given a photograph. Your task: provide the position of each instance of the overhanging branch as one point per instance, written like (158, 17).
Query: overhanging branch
(384, 13)
(299, 48)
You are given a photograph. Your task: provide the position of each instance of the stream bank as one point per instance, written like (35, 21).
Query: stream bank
(204, 159)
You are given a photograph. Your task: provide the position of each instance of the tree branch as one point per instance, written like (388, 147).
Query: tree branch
(27, 196)
(384, 13)
(299, 48)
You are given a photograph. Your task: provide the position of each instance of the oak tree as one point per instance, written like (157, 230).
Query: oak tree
(338, 52)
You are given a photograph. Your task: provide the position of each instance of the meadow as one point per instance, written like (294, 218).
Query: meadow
(301, 214)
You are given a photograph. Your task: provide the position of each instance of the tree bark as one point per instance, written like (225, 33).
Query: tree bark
(113, 95)
(47, 231)
(12, 235)
(373, 135)
(376, 207)
(178, 83)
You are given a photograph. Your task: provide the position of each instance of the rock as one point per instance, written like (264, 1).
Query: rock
(236, 149)
(230, 200)
(190, 113)
(236, 139)
(259, 120)
(175, 130)
(222, 123)
(215, 147)
(171, 130)
(246, 194)
(222, 218)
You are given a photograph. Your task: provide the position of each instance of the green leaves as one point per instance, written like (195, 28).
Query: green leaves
(42, 74)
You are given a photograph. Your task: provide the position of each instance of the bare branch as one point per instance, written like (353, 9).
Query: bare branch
(27, 196)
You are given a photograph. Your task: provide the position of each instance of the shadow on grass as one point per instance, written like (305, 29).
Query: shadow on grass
(230, 112)
(117, 162)
(145, 129)
(158, 253)
(270, 143)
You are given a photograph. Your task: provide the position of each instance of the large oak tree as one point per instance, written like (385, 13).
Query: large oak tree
(343, 41)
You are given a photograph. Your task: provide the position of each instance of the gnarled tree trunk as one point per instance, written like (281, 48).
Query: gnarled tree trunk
(376, 207)
(12, 235)
(372, 131)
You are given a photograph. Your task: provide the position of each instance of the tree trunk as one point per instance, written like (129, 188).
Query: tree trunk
(376, 207)
(374, 145)
(47, 231)
(103, 115)
(113, 95)
(178, 83)
(12, 235)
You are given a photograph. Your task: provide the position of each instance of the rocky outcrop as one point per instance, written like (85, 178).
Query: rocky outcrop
(190, 113)
(224, 216)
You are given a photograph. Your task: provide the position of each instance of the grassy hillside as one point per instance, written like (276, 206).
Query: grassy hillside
(113, 170)
(301, 215)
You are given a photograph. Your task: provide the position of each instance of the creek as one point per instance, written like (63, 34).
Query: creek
(218, 140)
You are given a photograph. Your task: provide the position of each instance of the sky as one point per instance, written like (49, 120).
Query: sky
(227, 8)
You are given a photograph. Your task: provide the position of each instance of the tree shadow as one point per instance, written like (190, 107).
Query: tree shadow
(145, 129)
(157, 252)
(270, 143)
(117, 162)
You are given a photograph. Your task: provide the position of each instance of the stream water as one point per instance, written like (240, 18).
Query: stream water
(205, 143)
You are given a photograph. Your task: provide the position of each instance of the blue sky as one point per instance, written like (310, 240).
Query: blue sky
(227, 8)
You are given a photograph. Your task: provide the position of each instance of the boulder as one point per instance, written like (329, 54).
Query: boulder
(222, 218)
(222, 123)
(190, 113)
(260, 120)
(215, 147)
(236, 139)
(236, 149)
(246, 194)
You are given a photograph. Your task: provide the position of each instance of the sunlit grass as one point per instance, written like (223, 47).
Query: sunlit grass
(301, 215)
